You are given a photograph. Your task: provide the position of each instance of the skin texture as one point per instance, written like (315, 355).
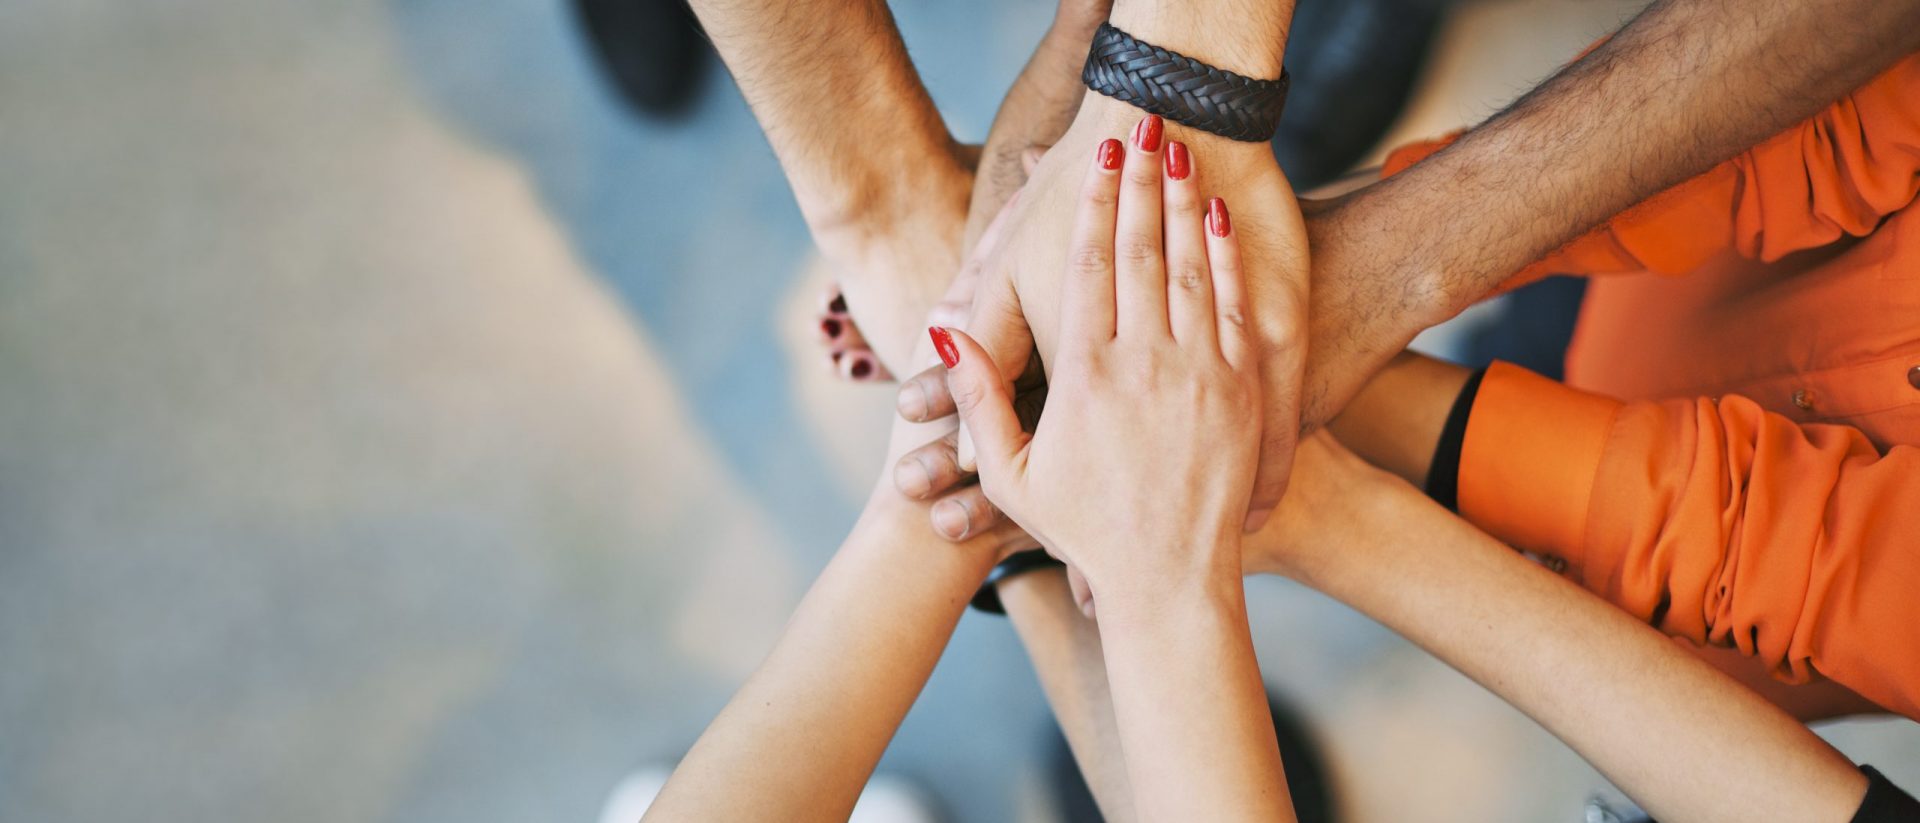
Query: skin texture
(1156, 350)
(1681, 87)
(1677, 735)
(881, 198)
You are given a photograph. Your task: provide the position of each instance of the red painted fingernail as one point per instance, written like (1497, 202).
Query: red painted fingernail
(1217, 217)
(861, 368)
(1109, 154)
(831, 327)
(943, 343)
(839, 304)
(1179, 165)
(1147, 135)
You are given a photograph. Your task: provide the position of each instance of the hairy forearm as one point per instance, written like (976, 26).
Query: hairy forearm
(845, 111)
(808, 727)
(1038, 109)
(1680, 737)
(1064, 646)
(1191, 710)
(1683, 86)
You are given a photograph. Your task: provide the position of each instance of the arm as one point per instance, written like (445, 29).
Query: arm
(1064, 646)
(1155, 352)
(1682, 87)
(808, 727)
(879, 179)
(1037, 110)
(1674, 733)
(1713, 519)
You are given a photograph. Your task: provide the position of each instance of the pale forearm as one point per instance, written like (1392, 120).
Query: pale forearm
(1191, 708)
(1685, 85)
(807, 728)
(845, 111)
(1680, 737)
(1064, 646)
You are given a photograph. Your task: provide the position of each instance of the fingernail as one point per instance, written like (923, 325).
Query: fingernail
(1146, 135)
(862, 368)
(912, 479)
(839, 303)
(1217, 217)
(943, 343)
(950, 519)
(831, 327)
(1109, 154)
(1179, 165)
(911, 402)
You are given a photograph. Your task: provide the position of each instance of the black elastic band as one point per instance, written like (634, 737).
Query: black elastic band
(1885, 802)
(987, 598)
(1183, 89)
(1443, 475)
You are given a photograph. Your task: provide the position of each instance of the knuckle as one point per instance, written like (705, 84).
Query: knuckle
(1188, 276)
(1138, 250)
(1235, 317)
(1092, 260)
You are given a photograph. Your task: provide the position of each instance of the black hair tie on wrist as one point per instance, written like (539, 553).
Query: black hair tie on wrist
(987, 599)
(1183, 89)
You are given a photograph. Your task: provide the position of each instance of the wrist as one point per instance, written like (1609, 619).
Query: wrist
(1245, 38)
(1168, 602)
(909, 193)
(1174, 568)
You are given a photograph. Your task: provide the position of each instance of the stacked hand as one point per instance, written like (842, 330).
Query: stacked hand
(1019, 303)
(1152, 429)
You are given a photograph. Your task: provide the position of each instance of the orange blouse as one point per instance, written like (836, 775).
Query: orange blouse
(1736, 454)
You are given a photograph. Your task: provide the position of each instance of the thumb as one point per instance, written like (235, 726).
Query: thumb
(983, 397)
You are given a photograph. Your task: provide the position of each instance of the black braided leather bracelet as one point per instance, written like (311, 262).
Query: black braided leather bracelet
(1183, 89)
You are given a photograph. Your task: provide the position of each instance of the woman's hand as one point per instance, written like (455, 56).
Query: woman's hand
(1141, 468)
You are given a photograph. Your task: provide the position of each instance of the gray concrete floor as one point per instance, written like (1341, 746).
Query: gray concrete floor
(393, 430)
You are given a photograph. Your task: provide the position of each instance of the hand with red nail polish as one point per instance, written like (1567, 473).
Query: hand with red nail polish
(1019, 311)
(1140, 471)
(1138, 476)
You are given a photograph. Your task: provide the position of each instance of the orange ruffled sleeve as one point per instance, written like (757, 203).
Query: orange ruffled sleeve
(1837, 173)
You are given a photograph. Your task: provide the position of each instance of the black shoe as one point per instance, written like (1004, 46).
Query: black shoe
(1300, 756)
(653, 50)
(1352, 64)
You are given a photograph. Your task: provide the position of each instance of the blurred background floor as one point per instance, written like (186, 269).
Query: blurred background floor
(392, 429)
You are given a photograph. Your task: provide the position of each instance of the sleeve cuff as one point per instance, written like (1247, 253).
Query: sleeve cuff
(1527, 465)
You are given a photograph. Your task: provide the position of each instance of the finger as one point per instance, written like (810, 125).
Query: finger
(1082, 593)
(1230, 306)
(861, 366)
(1281, 368)
(929, 470)
(965, 513)
(1086, 301)
(985, 400)
(1189, 282)
(924, 397)
(1001, 329)
(1140, 277)
(833, 302)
